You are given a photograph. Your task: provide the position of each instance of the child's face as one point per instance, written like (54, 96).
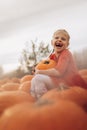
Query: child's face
(60, 41)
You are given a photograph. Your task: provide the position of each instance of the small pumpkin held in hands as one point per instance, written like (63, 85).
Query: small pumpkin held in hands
(46, 64)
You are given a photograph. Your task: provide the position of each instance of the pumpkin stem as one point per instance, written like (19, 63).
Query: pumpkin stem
(41, 102)
(46, 62)
(62, 86)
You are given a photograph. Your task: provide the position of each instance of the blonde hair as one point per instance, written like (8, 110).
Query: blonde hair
(62, 31)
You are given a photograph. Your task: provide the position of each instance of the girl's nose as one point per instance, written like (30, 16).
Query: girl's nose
(59, 40)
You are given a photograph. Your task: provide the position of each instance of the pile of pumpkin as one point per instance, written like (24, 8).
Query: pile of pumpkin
(59, 109)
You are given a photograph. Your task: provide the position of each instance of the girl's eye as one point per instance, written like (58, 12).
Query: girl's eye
(56, 37)
(63, 38)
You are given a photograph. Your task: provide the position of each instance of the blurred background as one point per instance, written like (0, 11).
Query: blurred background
(25, 24)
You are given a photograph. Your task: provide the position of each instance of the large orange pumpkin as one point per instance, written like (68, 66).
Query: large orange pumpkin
(1, 82)
(26, 78)
(15, 80)
(9, 98)
(25, 86)
(64, 115)
(4, 80)
(45, 64)
(10, 86)
(75, 94)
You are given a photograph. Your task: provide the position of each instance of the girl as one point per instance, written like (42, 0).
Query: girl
(65, 72)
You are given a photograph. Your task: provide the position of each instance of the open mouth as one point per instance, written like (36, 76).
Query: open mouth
(59, 44)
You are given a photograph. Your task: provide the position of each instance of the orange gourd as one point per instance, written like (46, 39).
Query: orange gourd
(26, 78)
(44, 115)
(4, 80)
(25, 86)
(45, 64)
(15, 80)
(10, 98)
(10, 86)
